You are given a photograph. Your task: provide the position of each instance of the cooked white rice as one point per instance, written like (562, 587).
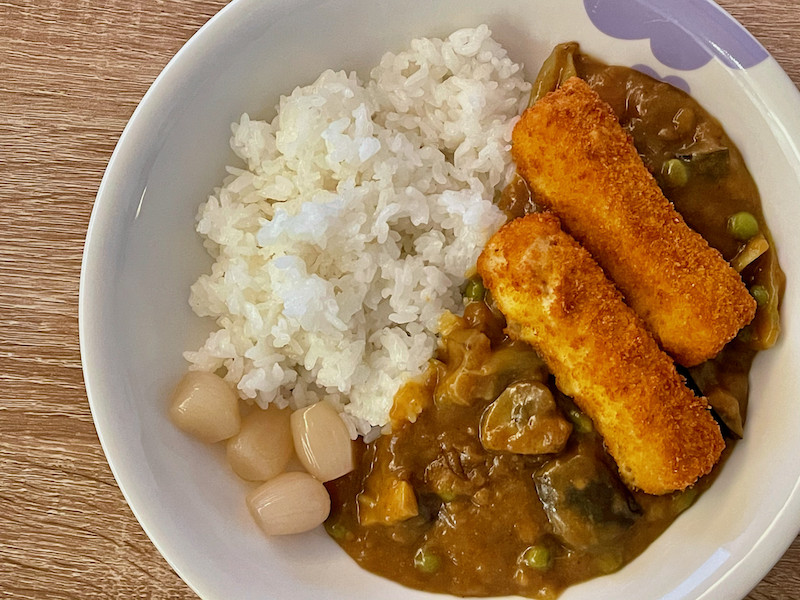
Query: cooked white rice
(360, 211)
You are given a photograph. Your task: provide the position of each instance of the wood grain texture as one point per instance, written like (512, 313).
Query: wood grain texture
(71, 74)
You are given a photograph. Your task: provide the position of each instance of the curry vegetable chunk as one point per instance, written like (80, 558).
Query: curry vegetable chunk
(556, 297)
(582, 165)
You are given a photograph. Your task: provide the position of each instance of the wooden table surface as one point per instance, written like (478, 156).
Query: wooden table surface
(71, 74)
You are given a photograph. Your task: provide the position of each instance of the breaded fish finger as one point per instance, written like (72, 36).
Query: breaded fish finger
(582, 165)
(557, 298)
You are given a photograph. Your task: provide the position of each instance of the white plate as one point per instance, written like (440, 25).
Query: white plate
(142, 254)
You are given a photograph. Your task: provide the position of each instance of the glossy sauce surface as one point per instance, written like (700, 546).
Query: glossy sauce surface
(481, 513)
(441, 504)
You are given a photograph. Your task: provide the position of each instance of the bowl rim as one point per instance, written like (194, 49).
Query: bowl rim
(155, 99)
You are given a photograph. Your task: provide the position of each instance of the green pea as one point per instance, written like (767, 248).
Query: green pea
(746, 334)
(675, 173)
(760, 293)
(446, 495)
(427, 561)
(337, 531)
(608, 563)
(581, 422)
(742, 225)
(684, 500)
(537, 557)
(474, 290)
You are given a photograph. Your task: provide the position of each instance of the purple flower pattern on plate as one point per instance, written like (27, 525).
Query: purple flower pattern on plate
(673, 80)
(683, 34)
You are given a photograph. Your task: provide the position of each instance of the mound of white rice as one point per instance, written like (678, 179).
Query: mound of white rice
(360, 211)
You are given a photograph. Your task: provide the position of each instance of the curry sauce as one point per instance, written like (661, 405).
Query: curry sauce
(492, 482)
(492, 522)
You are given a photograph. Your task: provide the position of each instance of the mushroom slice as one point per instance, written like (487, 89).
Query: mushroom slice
(524, 419)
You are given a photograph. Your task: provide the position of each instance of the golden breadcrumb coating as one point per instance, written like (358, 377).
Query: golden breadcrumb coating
(557, 298)
(582, 165)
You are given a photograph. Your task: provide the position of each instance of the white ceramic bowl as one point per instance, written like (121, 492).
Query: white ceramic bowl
(142, 254)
